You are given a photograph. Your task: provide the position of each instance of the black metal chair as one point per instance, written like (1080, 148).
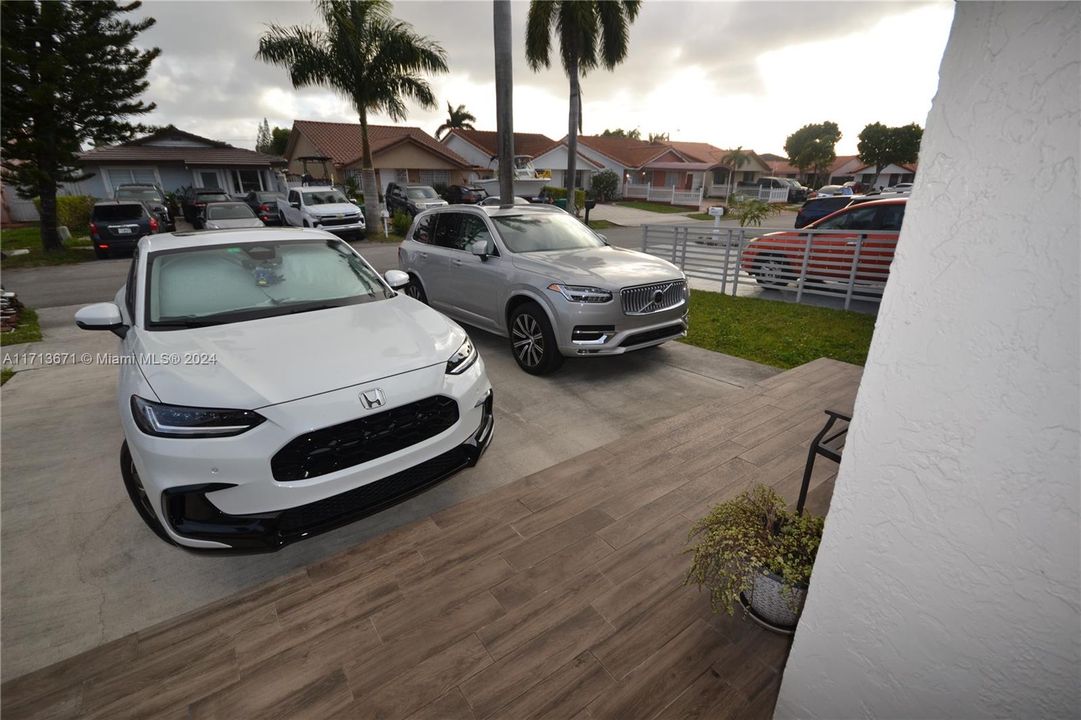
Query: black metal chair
(827, 445)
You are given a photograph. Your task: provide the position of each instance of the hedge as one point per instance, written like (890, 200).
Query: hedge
(72, 211)
(557, 193)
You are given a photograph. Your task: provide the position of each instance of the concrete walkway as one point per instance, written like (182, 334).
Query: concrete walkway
(633, 217)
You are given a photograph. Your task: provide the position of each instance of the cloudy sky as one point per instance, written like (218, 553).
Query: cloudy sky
(728, 73)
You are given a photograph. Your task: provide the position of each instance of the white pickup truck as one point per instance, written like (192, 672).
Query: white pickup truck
(322, 207)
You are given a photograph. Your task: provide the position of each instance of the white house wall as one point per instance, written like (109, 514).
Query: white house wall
(947, 584)
(468, 151)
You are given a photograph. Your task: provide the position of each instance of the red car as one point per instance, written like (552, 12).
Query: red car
(777, 259)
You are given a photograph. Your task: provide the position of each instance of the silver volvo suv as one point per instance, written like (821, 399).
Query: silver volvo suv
(540, 277)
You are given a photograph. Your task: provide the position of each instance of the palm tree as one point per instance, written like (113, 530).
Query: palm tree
(364, 54)
(457, 118)
(735, 159)
(591, 33)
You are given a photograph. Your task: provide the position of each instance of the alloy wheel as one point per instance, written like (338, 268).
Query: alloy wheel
(528, 340)
(770, 271)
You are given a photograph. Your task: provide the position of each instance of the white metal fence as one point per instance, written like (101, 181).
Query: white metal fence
(852, 264)
(663, 193)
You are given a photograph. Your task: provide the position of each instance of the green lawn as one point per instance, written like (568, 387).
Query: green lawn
(5, 374)
(652, 206)
(28, 330)
(777, 333)
(601, 224)
(29, 237)
(700, 216)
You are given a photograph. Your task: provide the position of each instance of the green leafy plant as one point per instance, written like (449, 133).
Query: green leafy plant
(400, 222)
(751, 211)
(72, 211)
(605, 185)
(751, 533)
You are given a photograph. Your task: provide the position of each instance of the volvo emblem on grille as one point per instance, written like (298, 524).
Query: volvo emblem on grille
(372, 399)
(658, 297)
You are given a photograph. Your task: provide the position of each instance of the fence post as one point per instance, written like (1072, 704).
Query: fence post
(739, 260)
(645, 241)
(683, 250)
(852, 272)
(803, 270)
(727, 254)
(675, 241)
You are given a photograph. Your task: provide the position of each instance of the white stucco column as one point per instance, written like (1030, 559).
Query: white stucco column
(947, 584)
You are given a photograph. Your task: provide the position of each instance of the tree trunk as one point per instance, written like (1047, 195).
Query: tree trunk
(368, 183)
(504, 99)
(50, 238)
(572, 136)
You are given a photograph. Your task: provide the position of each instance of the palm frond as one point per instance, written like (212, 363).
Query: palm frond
(538, 33)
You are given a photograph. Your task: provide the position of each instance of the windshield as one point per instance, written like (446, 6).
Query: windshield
(112, 213)
(228, 211)
(208, 197)
(201, 286)
(324, 197)
(138, 194)
(420, 193)
(538, 233)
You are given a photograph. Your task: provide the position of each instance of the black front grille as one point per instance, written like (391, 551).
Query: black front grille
(364, 439)
(668, 331)
(374, 496)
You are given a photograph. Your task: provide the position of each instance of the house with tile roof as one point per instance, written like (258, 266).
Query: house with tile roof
(399, 154)
(846, 168)
(480, 147)
(173, 159)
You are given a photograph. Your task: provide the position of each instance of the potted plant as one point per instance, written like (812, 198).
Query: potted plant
(753, 552)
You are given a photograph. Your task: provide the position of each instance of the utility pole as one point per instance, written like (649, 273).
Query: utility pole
(504, 100)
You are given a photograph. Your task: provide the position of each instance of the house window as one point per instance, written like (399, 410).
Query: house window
(748, 176)
(720, 177)
(208, 179)
(247, 180)
(119, 176)
(435, 177)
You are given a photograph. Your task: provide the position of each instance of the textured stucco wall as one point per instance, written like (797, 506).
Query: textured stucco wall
(947, 585)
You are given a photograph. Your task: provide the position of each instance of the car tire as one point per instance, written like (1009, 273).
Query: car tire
(772, 271)
(101, 254)
(532, 341)
(415, 289)
(137, 493)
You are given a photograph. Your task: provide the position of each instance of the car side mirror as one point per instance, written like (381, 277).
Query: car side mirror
(480, 249)
(396, 278)
(295, 205)
(102, 316)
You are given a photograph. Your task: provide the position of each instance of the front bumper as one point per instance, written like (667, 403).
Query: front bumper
(190, 514)
(585, 330)
(352, 229)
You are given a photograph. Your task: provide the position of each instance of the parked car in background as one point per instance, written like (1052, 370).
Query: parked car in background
(150, 195)
(229, 216)
(464, 194)
(798, 193)
(329, 395)
(775, 183)
(776, 259)
(545, 281)
(265, 205)
(819, 207)
(412, 199)
(829, 191)
(495, 201)
(196, 199)
(898, 188)
(117, 225)
(322, 207)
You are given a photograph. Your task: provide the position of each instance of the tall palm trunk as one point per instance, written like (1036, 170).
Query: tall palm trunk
(504, 99)
(368, 182)
(573, 118)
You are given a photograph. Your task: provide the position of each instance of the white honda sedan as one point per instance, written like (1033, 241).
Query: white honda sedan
(274, 386)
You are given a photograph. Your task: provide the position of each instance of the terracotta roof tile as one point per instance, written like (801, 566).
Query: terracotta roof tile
(341, 141)
(631, 153)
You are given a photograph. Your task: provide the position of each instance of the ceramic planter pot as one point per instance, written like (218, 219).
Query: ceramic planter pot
(772, 600)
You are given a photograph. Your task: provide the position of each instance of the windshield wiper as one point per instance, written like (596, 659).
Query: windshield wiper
(185, 324)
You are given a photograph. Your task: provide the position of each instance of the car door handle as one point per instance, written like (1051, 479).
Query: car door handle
(457, 261)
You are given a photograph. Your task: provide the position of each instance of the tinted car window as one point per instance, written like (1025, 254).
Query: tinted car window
(474, 229)
(861, 218)
(116, 213)
(448, 233)
(423, 231)
(890, 217)
(130, 193)
(826, 206)
(229, 211)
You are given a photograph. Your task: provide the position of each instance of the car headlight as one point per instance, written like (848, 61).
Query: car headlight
(177, 421)
(581, 293)
(460, 361)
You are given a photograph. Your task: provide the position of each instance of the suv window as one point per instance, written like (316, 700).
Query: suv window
(294, 196)
(448, 233)
(890, 217)
(828, 205)
(473, 229)
(862, 218)
(118, 213)
(423, 232)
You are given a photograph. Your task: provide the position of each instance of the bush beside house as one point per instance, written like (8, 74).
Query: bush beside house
(72, 211)
(605, 185)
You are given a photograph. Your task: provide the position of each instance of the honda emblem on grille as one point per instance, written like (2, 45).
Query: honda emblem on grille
(372, 399)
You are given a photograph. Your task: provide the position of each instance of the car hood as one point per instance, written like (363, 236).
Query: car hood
(610, 268)
(237, 223)
(333, 209)
(274, 360)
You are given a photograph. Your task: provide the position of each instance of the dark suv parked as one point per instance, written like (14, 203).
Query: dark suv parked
(117, 225)
(412, 199)
(195, 201)
(151, 196)
(818, 208)
(464, 194)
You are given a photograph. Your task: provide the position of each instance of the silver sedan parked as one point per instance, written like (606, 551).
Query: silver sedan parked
(540, 277)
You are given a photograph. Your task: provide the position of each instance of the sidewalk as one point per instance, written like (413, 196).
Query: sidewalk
(631, 217)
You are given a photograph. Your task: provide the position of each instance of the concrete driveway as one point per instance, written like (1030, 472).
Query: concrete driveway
(80, 568)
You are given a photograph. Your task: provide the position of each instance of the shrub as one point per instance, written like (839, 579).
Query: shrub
(605, 185)
(751, 211)
(554, 192)
(400, 222)
(72, 211)
(751, 533)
